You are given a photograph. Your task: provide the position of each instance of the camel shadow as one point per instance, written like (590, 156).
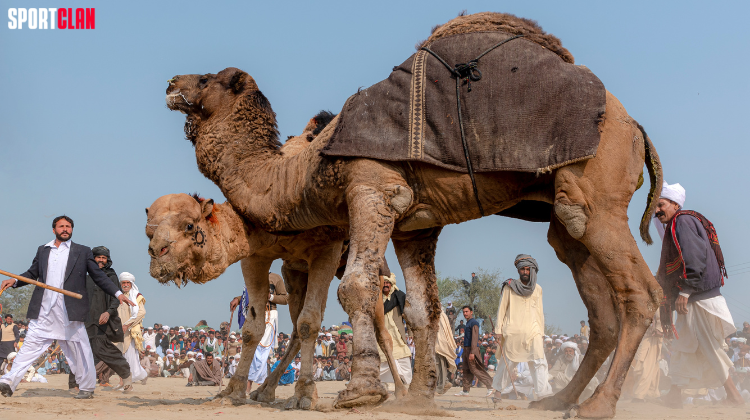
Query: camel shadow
(138, 402)
(44, 393)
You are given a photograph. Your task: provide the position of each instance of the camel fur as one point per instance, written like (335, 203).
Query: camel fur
(233, 129)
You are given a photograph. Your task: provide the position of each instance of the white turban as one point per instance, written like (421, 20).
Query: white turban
(673, 192)
(558, 341)
(11, 356)
(547, 340)
(742, 340)
(170, 351)
(132, 294)
(568, 345)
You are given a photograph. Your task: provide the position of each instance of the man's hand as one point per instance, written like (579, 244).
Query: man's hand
(125, 327)
(471, 357)
(124, 298)
(682, 302)
(103, 318)
(7, 283)
(234, 304)
(513, 377)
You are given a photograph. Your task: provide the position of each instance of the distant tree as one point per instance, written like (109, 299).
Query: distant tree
(16, 301)
(550, 329)
(482, 293)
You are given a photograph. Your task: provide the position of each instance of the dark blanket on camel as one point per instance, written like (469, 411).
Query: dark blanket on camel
(531, 111)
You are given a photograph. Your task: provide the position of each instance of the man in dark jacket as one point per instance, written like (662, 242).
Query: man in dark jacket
(63, 264)
(691, 273)
(103, 324)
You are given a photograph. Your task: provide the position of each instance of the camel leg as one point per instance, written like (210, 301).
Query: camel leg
(255, 272)
(416, 255)
(321, 272)
(596, 295)
(371, 224)
(591, 200)
(295, 282)
(385, 341)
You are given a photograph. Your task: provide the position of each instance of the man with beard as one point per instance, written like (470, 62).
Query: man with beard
(691, 272)
(103, 324)
(205, 372)
(519, 329)
(54, 316)
(393, 307)
(566, 366)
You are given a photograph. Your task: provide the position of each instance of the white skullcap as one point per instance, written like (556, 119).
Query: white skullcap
(125, 276)
(733, 339)
(170, 351)
(165, 327)
(199, 355)
(547, 340)
(170, 355)
(673, 192)
(191, 353)
(182, 330)
(569, 345)
(558, 341)
(328, 335)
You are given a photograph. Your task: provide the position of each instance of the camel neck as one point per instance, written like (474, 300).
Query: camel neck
(241, 156)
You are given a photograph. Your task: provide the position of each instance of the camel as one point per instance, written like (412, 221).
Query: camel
(193, 239)
(233, 129)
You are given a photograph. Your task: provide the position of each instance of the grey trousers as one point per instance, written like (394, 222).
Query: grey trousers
(441, 364)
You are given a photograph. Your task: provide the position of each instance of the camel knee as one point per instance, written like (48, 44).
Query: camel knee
(573, 217)
(400, 198)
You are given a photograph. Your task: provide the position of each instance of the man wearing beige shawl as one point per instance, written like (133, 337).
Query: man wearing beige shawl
(566, 367)
(519, 329)
(643, 377)
(132, 319)
(445, 354)
(393, 306)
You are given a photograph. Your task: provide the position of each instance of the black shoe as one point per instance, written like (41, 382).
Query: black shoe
(5, 389)
(189, 384)
(84, 395)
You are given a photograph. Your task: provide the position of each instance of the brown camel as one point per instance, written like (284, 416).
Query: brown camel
(194, 239)
(233, 129)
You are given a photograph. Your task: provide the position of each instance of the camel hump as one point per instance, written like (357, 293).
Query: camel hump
(503, 22)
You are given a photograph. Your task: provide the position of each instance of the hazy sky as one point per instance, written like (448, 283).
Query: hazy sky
(84, 129)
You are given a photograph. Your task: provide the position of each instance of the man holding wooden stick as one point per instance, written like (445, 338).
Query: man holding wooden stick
(61, 264)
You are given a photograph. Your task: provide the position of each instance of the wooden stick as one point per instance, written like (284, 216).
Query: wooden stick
(42, 285)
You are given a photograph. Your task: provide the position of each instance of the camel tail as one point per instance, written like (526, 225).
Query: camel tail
(656, 177)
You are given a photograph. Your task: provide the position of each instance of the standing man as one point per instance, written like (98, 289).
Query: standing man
(103, 324)
(519, 329)
(445, 354)
(585, 330)
(450, 311)
(276, 296)
(393, 307)
(473, 365)
(691, 272)
(60, 263)
(643, 379)
(9, 334)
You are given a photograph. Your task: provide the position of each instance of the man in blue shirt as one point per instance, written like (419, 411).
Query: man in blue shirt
(473, 366)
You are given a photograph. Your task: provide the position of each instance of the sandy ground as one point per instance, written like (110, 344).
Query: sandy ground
(170, 399)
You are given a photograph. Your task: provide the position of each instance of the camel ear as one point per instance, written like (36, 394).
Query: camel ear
(207, 208)
(146, 211)
(237, 82)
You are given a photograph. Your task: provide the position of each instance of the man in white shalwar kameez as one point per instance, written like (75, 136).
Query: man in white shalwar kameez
(519, 329)
(691, 273)
(566, 367)
(62, 264)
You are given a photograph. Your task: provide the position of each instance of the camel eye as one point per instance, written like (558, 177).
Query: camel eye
(203, 80)
(189, 226)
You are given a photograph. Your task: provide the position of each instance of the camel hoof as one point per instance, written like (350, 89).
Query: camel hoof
(253, 395)
(306, 403)
(291, 403)
(358, 401)
(593, 409)
(263, 397)
(551, 403)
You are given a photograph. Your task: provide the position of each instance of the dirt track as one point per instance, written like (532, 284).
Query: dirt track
(169, 399)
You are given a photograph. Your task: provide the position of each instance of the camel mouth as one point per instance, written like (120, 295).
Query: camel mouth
(176, 101)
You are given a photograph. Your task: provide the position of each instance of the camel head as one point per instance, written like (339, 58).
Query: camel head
(213, 97)
(189, 239)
